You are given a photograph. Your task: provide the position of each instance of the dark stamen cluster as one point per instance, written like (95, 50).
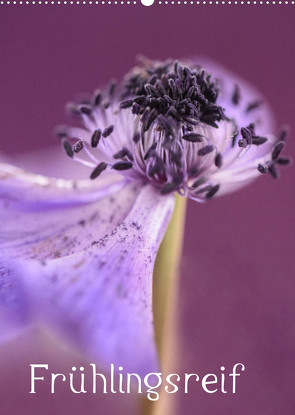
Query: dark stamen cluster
(188, 96)
(172, 99)
(249, 137)
(276, 158)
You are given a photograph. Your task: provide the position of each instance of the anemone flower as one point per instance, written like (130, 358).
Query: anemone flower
(77, 256)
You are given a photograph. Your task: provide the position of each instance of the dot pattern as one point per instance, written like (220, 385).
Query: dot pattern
(160, 2)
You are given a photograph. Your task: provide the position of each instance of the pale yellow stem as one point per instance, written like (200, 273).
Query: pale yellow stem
(165, 290)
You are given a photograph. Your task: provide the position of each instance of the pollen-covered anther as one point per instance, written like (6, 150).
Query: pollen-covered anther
(262, 168)
(273, 171)
(258, 141)
(212, 192)
(95, 138)
(84, 109)
(124, 153)
(78, 146)
(218, 160)
(247, 137)
(122, 165)
(193, 137)
(277, 150)
(206, 150)
(68, 148)
(284, 161)
(96, 99)
(108, 131)
(98, 170)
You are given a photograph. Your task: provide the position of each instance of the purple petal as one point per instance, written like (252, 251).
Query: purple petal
(51, 161)
(14, 315)
(101, 298)
(47, 218)
(84, 265)
(28, 191)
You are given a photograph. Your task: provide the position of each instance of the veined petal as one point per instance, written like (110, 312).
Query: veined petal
(100, 299)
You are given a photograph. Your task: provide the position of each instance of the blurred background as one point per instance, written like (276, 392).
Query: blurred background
(236, 300)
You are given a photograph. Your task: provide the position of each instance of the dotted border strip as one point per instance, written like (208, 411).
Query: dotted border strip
(164, 2)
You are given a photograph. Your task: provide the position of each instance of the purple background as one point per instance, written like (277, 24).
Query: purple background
(237, 285)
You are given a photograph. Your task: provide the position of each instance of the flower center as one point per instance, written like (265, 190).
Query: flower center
(163, 124)
(172, 92)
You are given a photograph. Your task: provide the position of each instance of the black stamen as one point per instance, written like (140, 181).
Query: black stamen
(251, 128)
(193, 137)
(218, 160)
(85, 110)
(123, 153)
(277, 150)
(68, 148)
(108, 131)
(151, 151)
(136, 138)
(198, 183)
(247, 138)
(246, 134)
(126, 104)
(262, 168)
(98, 170)
(150, 119)
(136, 108)
(112, 88)
(284, 161)
(122, 165)
(257, 140)
(283, 134)
(273, 171)
(141, 100)
(95, 138)
(212, 191)
(253, 105)
(97, 98)
(236, 95)
(205, 150)
(78, 146)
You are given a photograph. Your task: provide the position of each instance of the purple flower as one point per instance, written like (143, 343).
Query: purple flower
(78, 256)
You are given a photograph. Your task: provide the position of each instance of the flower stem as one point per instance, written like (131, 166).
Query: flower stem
(165, 289)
